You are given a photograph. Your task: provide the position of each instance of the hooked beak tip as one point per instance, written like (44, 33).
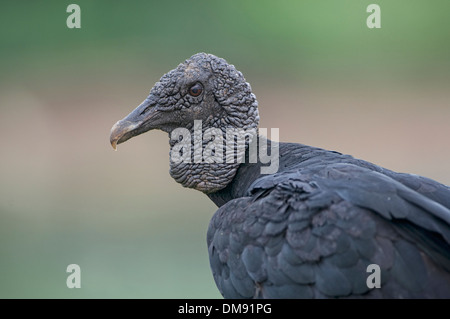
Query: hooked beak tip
(121, 132)
(135, 123)
(116, 133)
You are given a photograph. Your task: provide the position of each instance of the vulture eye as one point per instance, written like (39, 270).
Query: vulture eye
(196, 89)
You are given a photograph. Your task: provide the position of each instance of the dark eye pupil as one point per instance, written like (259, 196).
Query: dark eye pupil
(195, 90)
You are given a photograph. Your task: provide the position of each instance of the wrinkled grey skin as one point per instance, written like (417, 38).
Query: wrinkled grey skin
(226, 102)
(312, 229)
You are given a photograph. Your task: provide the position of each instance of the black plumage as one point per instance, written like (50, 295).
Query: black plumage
(311, 229)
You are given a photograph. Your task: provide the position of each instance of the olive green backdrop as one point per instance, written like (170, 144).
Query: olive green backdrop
(320, 74)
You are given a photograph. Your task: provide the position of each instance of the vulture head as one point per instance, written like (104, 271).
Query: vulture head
(197, 103)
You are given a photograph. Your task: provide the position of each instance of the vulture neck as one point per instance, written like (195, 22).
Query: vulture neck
(202, 168)
(246, 174)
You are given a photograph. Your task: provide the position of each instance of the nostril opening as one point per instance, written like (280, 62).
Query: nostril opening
(152, 104)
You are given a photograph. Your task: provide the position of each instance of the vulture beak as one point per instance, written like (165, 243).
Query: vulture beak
(137, 122)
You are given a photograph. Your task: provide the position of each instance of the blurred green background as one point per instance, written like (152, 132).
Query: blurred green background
(321, 76)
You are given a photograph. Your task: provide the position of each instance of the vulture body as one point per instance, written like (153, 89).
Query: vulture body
(316, 227)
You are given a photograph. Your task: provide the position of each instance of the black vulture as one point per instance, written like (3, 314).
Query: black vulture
(321, 224)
